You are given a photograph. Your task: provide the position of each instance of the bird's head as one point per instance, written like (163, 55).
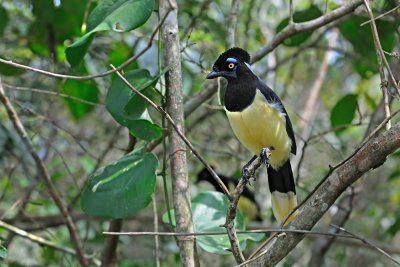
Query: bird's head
(230, 64)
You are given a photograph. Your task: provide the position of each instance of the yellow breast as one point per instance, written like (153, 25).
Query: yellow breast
(261, 125)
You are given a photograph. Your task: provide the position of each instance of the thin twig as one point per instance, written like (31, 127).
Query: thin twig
(367, 242)
(40, 240)
(231, 213)
(255, 231)
(52, 93)
(381, 15)
(295, 28)
(43, 174)
(89, 77)
(156, 239)
(290, 11)
(379, 53)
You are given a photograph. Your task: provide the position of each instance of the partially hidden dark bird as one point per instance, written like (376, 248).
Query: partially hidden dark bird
(259, 120)
(247, 205)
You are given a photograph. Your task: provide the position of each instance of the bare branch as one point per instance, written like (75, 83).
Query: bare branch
(295, 28)
(369, 156)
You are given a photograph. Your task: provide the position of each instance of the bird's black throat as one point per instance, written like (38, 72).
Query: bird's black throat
(240, 92)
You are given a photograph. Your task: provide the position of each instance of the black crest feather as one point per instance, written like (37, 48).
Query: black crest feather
(234, 52)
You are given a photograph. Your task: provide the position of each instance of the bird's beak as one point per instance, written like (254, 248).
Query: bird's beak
(213, 74)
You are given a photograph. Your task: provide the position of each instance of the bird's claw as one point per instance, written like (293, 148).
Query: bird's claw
(246, 174)
(264, 155)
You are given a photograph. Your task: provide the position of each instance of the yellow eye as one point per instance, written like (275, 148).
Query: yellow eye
(231, 65)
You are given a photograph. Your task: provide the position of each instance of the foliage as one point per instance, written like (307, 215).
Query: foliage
(81, 127)
(208, 212)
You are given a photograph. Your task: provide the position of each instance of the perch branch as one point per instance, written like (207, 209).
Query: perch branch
(371, 155)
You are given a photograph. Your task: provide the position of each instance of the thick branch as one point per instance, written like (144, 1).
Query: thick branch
(294, 28)
(370, 156)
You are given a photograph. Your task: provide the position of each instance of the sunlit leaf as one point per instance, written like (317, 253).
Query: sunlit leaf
(209, 213)
(85, 90)
(123, 188)
(115, 15)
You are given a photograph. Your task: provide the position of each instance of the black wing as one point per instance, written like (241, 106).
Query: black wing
(272, 98)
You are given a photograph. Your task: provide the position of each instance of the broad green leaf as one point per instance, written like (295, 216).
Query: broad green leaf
(3, 19)
(123, 188)
(209, 213)
(8, 70)
(115, 15)
(145, 129)
(85, 90)
(299, 16)
(129, 109)
(3, 252)
(363, 43)
(344, 111)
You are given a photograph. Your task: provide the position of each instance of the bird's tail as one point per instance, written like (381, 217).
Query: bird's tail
(283, 191)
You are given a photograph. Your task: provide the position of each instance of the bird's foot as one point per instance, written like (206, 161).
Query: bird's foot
(265, 154)
(246, 174)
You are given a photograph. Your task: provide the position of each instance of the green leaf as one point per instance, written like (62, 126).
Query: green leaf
(8, 70)
(299, 16)
(145, 129)
(123, 188)
(85, 90)
(129, 109)
(209, 213)
(363, 43)
(115, 15)
(3, 19)
(344, 111)
(54, 24)
(3, 252)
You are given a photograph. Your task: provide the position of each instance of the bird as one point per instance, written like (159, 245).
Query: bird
(247, 205)
(260, 122)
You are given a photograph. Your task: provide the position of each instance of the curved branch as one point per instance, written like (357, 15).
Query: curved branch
(370, 156)
(296, 28)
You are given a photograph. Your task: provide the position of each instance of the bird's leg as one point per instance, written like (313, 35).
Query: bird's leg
(265, 154)
(246, 173)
